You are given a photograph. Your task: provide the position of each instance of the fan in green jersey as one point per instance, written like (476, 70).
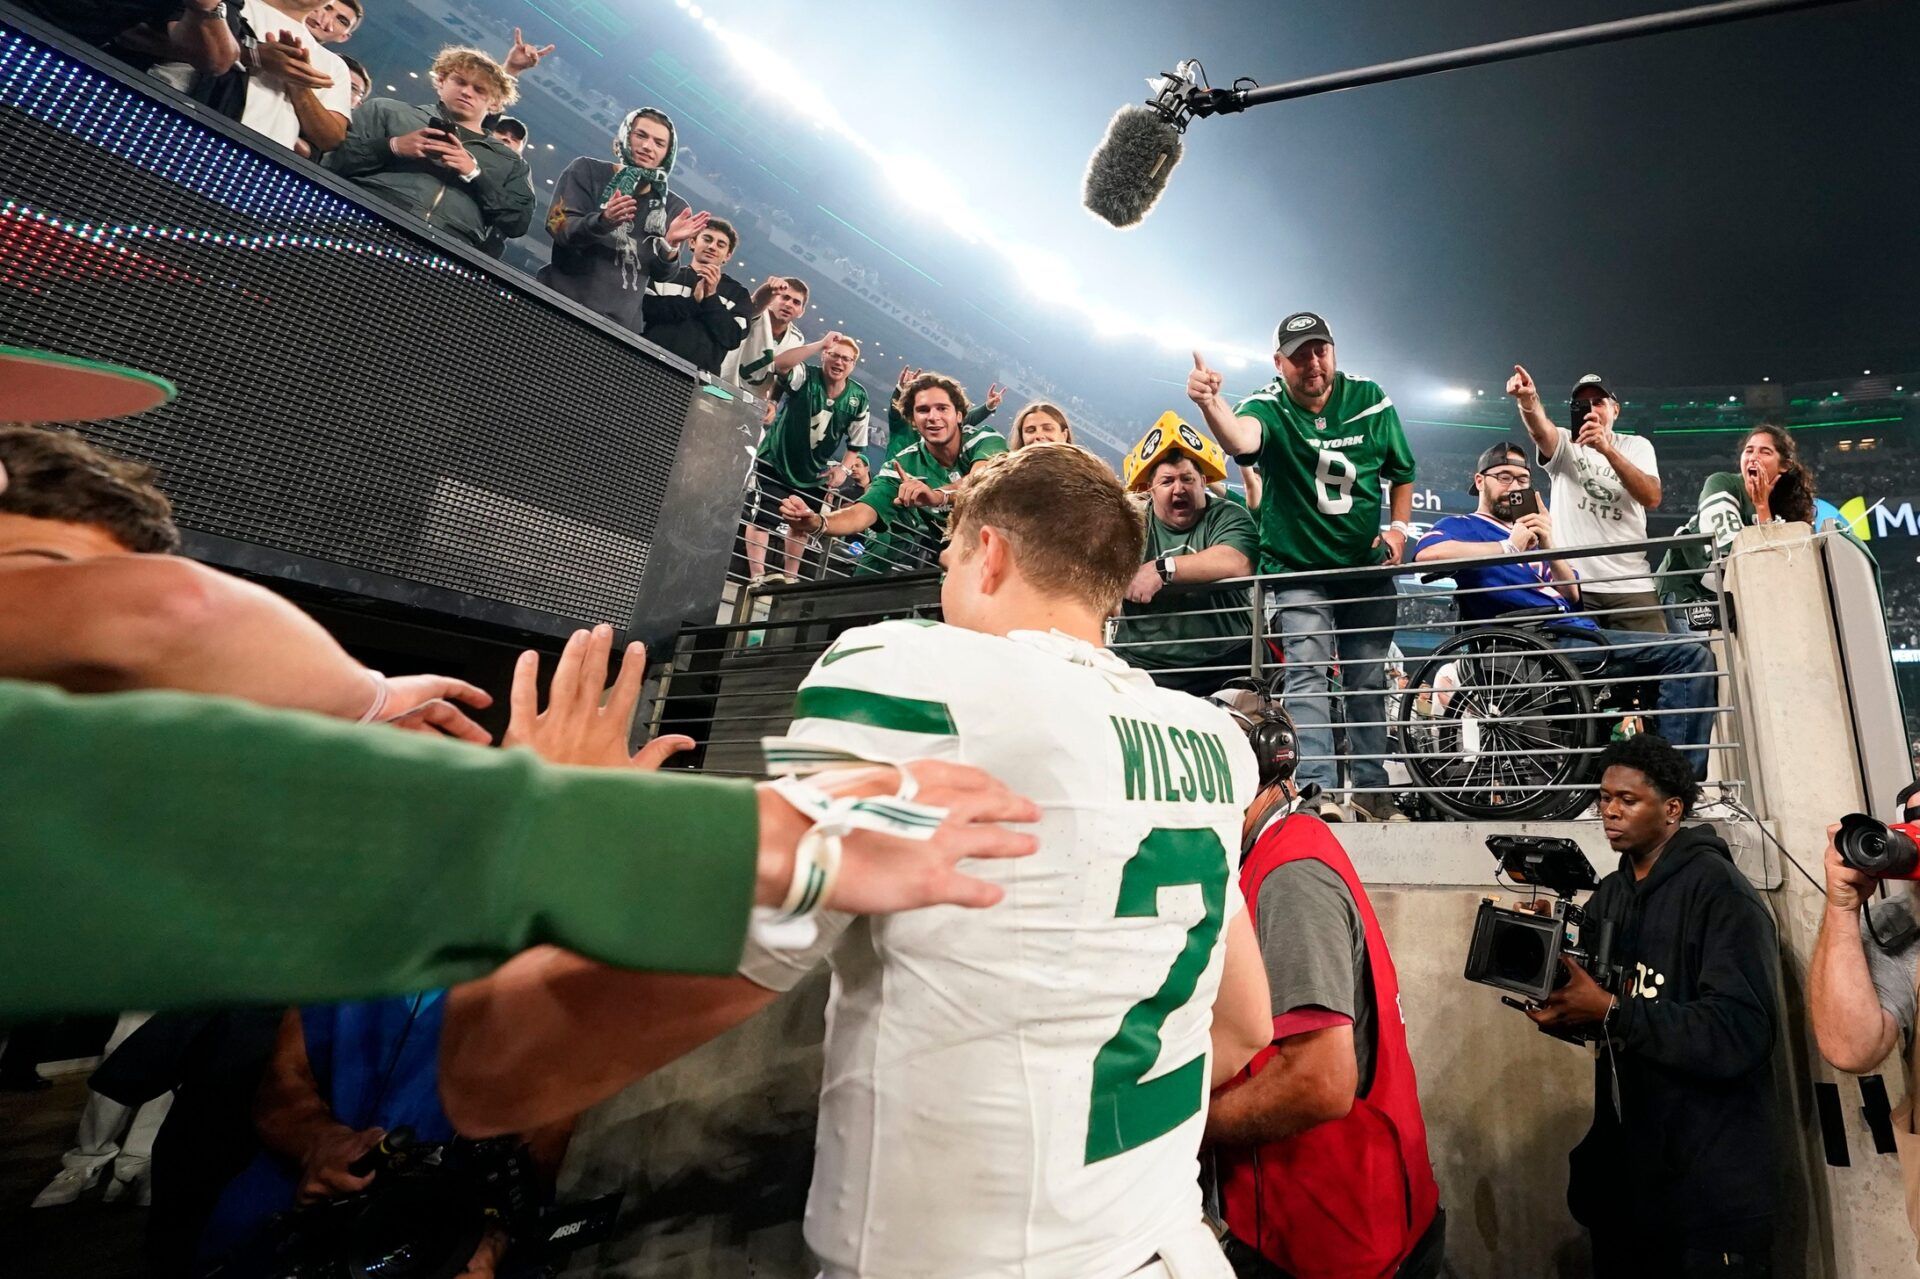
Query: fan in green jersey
(823, 416)
(1325, 443)
(1772, 484)
(911, 494)
(900, 429)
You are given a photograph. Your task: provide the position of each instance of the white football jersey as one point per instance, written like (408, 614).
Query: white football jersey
(1021, 1090)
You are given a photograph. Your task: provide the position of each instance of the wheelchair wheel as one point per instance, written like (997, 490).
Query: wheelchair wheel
(1495, 718)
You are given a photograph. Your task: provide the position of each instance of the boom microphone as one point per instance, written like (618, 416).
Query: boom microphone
(1131, 168)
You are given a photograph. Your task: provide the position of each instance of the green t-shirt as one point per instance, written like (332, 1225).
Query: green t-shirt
(812, 429)
(1324, 472)
(905, 538)
(900, 432)
(1200, 638)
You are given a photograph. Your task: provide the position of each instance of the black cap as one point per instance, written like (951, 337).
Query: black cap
(1297, 330)
(508, 124)
(1493, 456)
(1595, 381)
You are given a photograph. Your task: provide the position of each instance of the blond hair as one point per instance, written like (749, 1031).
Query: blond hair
(478, 68)
(852, 342)
(1052, 410)
(1072, 528)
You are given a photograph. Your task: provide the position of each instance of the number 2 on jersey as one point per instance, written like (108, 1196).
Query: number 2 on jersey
(1127, 1109)
(1333, 481)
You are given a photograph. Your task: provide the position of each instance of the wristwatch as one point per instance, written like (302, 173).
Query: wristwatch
(1165, 565)
(216, 14)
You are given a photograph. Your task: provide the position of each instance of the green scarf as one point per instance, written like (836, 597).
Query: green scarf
(629, 177)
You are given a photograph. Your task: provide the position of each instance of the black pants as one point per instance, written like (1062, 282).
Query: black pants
(1423, 1262)
(1629, 1255)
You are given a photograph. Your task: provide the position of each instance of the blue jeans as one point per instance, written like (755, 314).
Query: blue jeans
(1676, 694)
(1307, 616)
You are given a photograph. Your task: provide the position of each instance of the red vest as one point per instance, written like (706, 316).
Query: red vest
(1348, 1198)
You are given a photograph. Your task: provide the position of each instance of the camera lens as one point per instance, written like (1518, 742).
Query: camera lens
(1519, 954)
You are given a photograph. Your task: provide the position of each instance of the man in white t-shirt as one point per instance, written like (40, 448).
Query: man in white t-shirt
(1603, 486)
(297, 87)
(777, 303)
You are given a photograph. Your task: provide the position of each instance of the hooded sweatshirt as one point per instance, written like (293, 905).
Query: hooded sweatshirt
(606, 268)
(701, 332)
(1691, 1153)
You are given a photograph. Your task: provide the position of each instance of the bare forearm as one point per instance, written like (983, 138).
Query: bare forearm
(1853, 1031)
(288, 1112)
(848, 520)
(203, 41)
(787, 360)
(1214, 564)
(120, 623)
(1546, 438)
(1641, 487)
(1400, 502)
(322, 129)
(550, 1034)
(1292, 1094)
(1237, 435)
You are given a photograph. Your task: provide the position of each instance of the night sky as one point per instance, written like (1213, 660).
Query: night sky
(1700, 208)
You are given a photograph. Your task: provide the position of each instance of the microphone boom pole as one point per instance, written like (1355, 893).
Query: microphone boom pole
(1206, 102)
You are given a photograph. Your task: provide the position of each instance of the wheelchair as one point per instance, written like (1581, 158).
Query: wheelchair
(1503, 725)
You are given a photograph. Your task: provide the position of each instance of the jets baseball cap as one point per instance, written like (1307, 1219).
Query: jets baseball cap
(1497, 455)
(1595, 381)
(1299, 329)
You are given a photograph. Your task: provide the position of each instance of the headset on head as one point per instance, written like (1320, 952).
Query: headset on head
(1269, 729)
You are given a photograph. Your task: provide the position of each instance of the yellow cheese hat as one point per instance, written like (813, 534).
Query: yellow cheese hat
(1166, 436)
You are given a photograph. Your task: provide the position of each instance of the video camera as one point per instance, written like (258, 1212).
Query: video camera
(423, 1216)
(1519, 950)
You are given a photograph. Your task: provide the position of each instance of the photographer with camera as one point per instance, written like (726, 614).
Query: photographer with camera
(1320, 1144)
(1861, 983)
(1678, 1174)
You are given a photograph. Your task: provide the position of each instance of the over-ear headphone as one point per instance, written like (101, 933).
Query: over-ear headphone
(1269, 729)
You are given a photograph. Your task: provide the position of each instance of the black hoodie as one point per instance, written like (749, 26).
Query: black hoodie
(1691, 1155)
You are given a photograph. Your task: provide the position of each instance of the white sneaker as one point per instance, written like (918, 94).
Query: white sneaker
(1329, 810)
(68, 1185)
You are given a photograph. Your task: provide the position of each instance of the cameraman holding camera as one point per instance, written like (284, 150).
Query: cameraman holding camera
(1861, 991)
(1678, 1174)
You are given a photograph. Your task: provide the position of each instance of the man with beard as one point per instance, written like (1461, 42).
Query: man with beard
(1678, 1175)
(1325, 442)
(777, 303)
(823, 418)
(615, 226)
(910, 497)
(1194, 641)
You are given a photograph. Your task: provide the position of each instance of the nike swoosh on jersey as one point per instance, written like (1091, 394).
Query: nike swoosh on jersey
(828, 659)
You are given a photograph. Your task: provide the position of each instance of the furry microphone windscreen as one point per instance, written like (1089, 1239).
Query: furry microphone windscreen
(1130, 170)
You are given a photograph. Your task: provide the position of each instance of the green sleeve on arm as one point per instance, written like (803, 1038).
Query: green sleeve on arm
(365, 149)
(978, 414)
(1397, 468)
(182, 851)
(1237, 529)
(879, 496)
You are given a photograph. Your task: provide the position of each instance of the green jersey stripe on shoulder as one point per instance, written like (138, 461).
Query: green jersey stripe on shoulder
(876, 710)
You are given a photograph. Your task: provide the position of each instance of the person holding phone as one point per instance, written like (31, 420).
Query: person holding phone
(1511, 520)
(436, 162)
(1604, 483)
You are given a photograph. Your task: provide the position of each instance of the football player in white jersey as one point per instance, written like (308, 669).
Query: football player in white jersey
(1020, 1090)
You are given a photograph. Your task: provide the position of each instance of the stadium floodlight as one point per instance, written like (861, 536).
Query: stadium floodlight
(1142, 145)
(1455, 395)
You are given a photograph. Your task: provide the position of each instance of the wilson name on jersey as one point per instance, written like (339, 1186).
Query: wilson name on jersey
(1021, 1090)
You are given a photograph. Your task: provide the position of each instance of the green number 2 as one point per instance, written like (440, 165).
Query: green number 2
(1128, 1109)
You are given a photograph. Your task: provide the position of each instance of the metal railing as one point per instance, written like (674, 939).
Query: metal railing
(1404, 705)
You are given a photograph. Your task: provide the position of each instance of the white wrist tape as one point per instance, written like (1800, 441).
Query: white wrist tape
(816, 862)
(379, 702)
